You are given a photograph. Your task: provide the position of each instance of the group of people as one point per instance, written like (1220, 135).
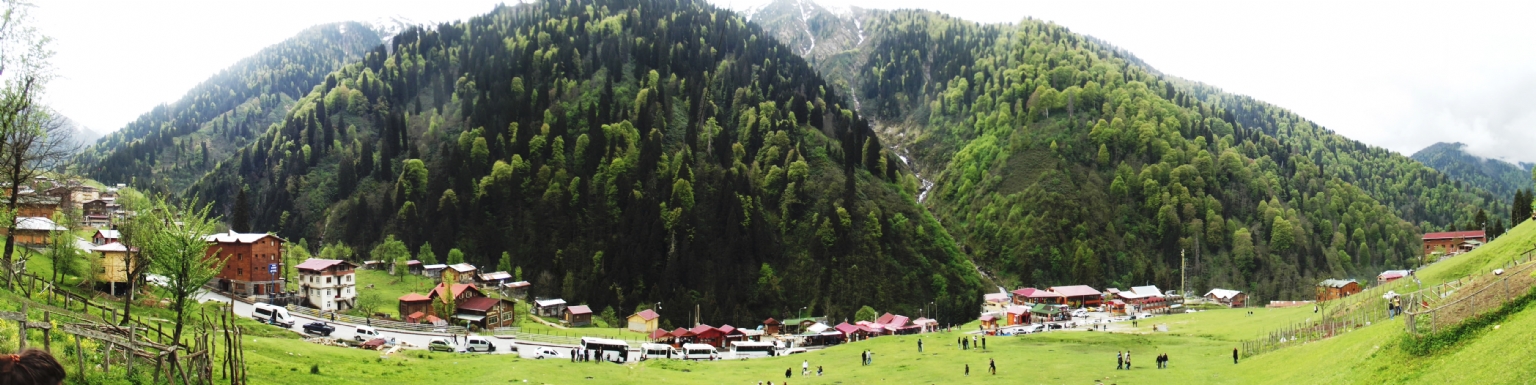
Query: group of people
(1394, 307)
(31, 367)
(965, 344)
(1162, 361)
(1123, 360)
(867, 358)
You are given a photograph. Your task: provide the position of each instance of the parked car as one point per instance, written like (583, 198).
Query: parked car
(268, 314)
(546, 353)
(320, 328)
(477, 344)
(365, 333)
(440, 345)
(1080, 313)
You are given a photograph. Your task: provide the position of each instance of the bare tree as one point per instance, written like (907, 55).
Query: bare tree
(41, 141)
(24, 69)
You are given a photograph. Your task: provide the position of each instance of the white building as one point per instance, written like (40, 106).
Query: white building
(328, 284)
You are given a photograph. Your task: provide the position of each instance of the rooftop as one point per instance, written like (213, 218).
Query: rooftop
(579, 310)
(234, 237)
(1075, 291)
(1455, 234)
(648, 314)
(317, 264)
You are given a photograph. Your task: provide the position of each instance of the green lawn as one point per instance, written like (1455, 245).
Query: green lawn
(388, 290)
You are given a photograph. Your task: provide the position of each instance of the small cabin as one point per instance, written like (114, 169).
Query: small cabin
(1331, 289)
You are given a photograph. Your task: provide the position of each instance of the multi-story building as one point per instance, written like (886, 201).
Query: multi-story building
(328, 284)
(253, 262)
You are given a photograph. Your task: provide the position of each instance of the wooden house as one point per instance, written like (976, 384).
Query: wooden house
(1231, 298)
(460, 273)
(114, 266)
(252, 262)
(579, 315)
(1452, 242)
(644, 322)
(553, 307)
(35, 231)
(1079, 295)
(1331, 289)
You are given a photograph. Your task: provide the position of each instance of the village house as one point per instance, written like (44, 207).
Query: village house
(35, 231)
(1143, 298)
(328, 284)
(553, 307)
(252, 262)
(517, 289)
(1079, 295)
(1453, 242)
(1331, 289)
(579, 315)
(114, 265)
(644, 322)
(103, 237)
(494, 279)
(433, 270)
(460, 273)
(1231, 298)
(470, 306)
(41, 206)
(1390, 275)
(97, 213)
(771, 326)
(73, 195)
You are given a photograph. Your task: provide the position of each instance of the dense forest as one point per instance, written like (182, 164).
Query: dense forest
(173, 145)
(618, 153)
(1056, 158)
(1501, 178)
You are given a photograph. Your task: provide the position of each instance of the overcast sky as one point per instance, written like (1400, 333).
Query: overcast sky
(1393, 74)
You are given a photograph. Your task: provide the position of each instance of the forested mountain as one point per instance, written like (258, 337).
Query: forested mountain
(613, 152)
(1499, 177)
(171, 146)
(1057, 158)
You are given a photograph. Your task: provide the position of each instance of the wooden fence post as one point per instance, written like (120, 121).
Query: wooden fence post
(133, 346)
(47, 340)
(23, 327)
(80, 356)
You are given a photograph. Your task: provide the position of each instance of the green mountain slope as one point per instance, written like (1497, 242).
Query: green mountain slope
(1499, 177)
(617, 153)
(172, 145)
(1057, 158)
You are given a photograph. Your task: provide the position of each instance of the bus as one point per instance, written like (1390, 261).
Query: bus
(656, 351)
(698, 352)
(743, 349)
(606, 349)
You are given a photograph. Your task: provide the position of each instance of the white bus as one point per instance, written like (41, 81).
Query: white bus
(656, 351)
(698, 352)
(606, 349)
(742, 349)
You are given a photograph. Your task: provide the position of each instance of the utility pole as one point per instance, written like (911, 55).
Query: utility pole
(1183, 273)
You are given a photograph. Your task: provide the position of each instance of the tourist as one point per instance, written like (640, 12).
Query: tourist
(919, 345)
(983, 342)
(29, 367)
(818, 370)
(967, 370)
(1119, 360)
(1127, 360)
(787, 374)
(992, 364)
(1234, 356)
(805, 367)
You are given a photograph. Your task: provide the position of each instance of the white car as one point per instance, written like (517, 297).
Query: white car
(365, 333)
(477, 344)
(545, 353)
(1080, 313)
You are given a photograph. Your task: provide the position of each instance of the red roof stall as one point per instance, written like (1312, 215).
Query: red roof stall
(1036, 296)
(705, 334)
(771, 326)
(1079, 295)
(1016, 315)
(731, 333)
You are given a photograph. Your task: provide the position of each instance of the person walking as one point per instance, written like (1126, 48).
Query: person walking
(967, 370)
(805, 367)
(1119, 360)
(818, 370)
(919, 345)
(992, 365)
(787, 374)
(871, 358)
(965, 344)
(1234, 356)
(983, 343)
(1127, 360)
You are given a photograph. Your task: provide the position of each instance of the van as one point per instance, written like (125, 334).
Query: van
(478, 344)
(268, 314)
(365, 333)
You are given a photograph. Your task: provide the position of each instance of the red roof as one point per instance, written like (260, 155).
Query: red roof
(897, 321)
(579, 310)
(885, 318)
(480, 304)
(728, 329)
(647, 314)
(1075, 291)
(1025, 292)
(458, 288)
(845, 328)
(413, 297)
(415, 316)
(680, 332)
(701, 329)
(659, 334)
(316, 264)
(433, 319)
(988, 318)
(1456, 234)
(771, 321)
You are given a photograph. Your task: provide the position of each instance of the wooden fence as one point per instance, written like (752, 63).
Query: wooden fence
(1444, 304)
(1438, 309)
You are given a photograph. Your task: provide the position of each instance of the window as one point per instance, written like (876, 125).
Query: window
(239, 271)
(327, 279)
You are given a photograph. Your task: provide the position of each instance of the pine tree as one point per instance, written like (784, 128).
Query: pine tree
(240, 218)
